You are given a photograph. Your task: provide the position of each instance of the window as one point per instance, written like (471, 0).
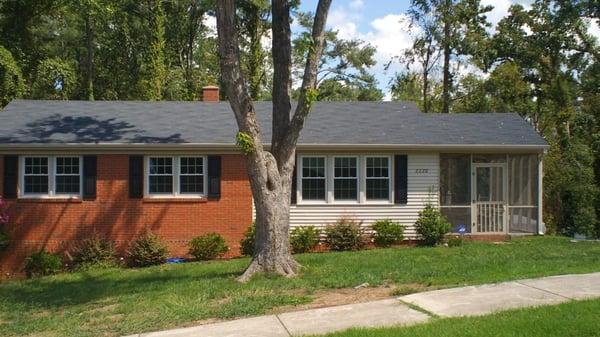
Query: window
(68, 175)
(160, 175)
(378, 178)
(313, 178)
(36, 176)
(345, 178)
(176, 176)
(191, 175)
(51, 176)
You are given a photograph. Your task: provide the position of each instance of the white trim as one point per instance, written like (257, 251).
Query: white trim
(300, 176)
(541, 225)
(474, 167)
(356, 179)
(329, 180)
(52, 194)
(390, 179)
(176, 172)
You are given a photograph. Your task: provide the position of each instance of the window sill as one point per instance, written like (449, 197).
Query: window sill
(49, 200)
(175, 200)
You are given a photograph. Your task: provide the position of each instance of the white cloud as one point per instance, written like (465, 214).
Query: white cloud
(210, 22)
(594, 28)
(500, 10)
(356, 4)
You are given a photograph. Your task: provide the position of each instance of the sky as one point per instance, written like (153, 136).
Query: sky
(384, 24)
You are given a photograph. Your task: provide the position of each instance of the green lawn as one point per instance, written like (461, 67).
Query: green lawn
(572, 319)
(117, 302)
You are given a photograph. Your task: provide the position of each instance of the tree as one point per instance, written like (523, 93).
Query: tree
(458, 29)
(154, 71)
(54, 79)
(343, 71)
(11, 79)
(270, 172)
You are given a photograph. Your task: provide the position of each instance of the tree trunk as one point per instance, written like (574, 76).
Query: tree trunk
(446, 84)
(270, 174)
(90, 56)
(272, 253)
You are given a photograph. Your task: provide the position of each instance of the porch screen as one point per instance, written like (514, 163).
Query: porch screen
(455, 189)
(523, 193)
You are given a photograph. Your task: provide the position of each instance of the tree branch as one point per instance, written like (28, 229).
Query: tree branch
(310, 73)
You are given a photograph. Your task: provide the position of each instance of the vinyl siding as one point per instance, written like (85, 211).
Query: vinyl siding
(422, 187)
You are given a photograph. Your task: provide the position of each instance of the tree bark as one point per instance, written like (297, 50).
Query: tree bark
(270, 173)
(89, 37)
(447, 50)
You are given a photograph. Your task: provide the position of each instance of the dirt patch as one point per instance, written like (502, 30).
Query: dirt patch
(333, 297)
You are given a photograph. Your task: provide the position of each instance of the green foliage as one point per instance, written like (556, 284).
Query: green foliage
(346, 234)
(432, 226)
(247, 243)
(455, 241)
(154, 71)
(43, 263)
(55, 79)
(147, 250)
(570, 198)
(387, 232)
(208, 247)
(11, 79)
(304, 239)
(97, 251)
(245, 142)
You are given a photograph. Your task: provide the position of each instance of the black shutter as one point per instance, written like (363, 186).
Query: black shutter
(400, 179)
(11, 176)
(294, 186)
(214, 177)
(136, 177)
(89, 177)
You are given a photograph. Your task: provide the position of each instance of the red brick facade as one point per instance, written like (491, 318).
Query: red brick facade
(57, 224)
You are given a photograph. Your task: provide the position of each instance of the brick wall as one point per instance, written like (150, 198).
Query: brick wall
(58, 225)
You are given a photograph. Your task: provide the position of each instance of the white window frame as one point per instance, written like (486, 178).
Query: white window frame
(300, 177)
(51, 178)
(330, 177)
(390, 178)
(176, 160)
(356, 179)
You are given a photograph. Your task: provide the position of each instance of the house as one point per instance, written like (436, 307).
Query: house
(73, 168)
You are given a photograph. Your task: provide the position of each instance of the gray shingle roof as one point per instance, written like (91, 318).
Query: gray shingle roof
(348, 123)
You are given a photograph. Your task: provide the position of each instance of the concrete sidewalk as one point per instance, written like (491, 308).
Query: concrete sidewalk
(406, 310)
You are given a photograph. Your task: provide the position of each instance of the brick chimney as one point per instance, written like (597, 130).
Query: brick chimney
(210, 93)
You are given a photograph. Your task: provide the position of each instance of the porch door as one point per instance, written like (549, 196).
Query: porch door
(489, 198)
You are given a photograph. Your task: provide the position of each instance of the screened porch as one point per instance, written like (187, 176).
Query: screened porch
(491, 193)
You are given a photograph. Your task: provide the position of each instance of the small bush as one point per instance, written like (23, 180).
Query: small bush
(346, 234)
(387, 233)
(304, 239)
(432, 226)
(455, 241)
(4, 240)
(147, 250)
(247, 243)
(208, 247)
(43, 263)
(96, 251)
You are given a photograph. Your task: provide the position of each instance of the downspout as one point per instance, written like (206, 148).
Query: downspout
(541, 225)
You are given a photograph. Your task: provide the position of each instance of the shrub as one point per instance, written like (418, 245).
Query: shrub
(208, 247)
(387, 232)
(346, 234)
(432, 226)
(247, 243)
(147, 250)
(43, 263)
(96, 251)
(455, 241)
(304, 239)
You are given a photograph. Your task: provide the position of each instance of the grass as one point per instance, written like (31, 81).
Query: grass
(117, 302)
(572, 319)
